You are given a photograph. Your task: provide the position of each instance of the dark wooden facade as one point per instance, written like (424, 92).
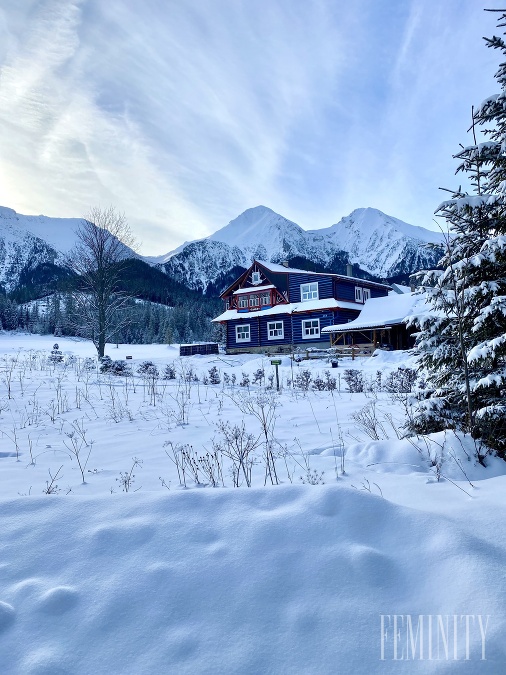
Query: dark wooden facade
(275, 308)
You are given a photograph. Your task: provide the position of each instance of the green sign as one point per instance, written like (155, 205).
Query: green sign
(276, 362)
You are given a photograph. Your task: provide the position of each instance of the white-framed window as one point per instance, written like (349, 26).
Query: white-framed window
(309, 291)
(256, 278)
(242, 333)
(243, 302)
(310, 328)
(275, 330)
(265, 299)
(359, 294)
(227, 304)
(367, 294)
(254, 300)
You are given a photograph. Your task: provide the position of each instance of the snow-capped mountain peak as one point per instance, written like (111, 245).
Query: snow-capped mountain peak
(366, 220)
(260, 232)
(381, 245)
(27, 242)
(59, 233)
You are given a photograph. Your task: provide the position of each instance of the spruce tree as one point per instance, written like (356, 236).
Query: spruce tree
(463, 336)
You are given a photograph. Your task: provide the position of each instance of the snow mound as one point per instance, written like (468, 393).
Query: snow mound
(446, 453)
(291, 580)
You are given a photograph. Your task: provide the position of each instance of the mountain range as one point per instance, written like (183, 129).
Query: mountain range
(379, 246)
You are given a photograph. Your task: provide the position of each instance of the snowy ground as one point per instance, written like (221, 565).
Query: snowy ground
(288, 578)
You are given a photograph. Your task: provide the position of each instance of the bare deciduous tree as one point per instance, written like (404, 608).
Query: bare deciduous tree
(104, 244)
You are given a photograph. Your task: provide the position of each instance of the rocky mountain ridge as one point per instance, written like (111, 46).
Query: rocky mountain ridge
(379, 246)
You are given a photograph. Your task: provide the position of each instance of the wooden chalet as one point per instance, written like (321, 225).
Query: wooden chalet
(277, 308)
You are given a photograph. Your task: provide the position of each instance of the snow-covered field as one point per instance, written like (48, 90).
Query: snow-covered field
(130, 572)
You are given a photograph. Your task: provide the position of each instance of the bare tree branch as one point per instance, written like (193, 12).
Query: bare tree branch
(104, 244)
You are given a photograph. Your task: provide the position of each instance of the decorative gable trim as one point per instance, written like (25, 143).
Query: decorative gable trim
(248, 280)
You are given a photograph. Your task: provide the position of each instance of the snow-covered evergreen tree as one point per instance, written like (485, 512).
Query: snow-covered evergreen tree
(463, 337)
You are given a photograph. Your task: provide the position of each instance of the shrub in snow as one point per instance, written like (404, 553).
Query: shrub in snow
(400, 381)
(214, 375)
(319, 383)
(211, 467)
(245, 380)
(262, 406)
(366, 419)
(105, 364)
(56, 356)
(127, 478)
(147, 369)
(119, 367)
(78, 445)
(88, 364)
(378, 381)
(52, 487)
(238, 445)
(330, 382)
(169, 372)
(325, 383)
(258, 376)
(303, 380)
(313, 478)
(355, 380)
(187, 373)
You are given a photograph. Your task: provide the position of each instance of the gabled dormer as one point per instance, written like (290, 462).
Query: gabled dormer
(253, 291)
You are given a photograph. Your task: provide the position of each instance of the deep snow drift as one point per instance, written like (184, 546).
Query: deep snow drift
(289, 578)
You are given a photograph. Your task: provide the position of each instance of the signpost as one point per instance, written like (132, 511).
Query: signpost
(276, 363)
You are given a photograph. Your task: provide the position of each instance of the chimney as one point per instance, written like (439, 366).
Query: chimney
(349, 270)
(284, 263)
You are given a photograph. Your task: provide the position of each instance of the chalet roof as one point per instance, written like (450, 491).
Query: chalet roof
(390, 310)
(289, 308)
(273, 267)
(400, 288)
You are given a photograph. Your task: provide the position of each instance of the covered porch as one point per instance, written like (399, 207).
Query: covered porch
(381, 324)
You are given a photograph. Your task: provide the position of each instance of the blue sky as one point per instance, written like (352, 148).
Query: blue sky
(184, 113)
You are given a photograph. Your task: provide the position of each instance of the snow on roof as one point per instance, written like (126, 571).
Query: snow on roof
(250, 289)
(273, 267)
(289, 308)
(387, 311)
(399, 288)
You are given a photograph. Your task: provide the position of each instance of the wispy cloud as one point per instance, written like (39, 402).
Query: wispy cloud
(184, 114)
